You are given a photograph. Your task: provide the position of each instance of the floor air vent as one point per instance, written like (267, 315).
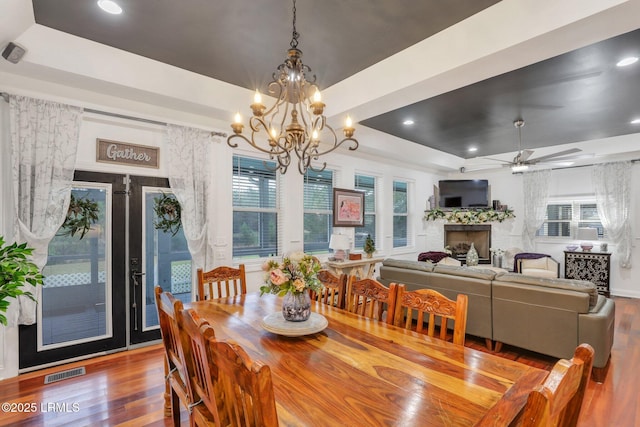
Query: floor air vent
(59, 376)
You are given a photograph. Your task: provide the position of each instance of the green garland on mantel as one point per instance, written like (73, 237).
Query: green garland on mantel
(469, 216)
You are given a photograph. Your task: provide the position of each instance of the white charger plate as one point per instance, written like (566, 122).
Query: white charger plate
(276, 324)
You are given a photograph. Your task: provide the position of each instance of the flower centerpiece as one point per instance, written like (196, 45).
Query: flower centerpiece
(293, 278)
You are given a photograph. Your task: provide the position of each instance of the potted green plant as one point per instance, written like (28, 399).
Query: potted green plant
(15, 272)
(369, 246)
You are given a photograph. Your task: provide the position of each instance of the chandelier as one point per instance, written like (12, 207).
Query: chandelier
(307, 134)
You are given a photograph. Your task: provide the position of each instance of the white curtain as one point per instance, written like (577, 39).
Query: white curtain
(44, 142)
(612, 183)
(189, 164)
(535, 186)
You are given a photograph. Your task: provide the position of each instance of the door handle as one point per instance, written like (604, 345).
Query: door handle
(135, 275)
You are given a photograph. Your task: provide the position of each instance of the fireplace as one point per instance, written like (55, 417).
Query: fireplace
(459, 238)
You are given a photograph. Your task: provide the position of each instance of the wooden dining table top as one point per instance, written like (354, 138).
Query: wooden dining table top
(362, 372)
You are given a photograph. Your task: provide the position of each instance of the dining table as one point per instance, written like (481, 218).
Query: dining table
(344, 369)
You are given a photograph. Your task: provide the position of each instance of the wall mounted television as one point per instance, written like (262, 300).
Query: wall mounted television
(463, 193)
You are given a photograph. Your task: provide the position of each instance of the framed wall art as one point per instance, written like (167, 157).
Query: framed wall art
(348, 208)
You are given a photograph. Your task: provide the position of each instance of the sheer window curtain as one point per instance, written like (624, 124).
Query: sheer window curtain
(189, 164)
(535, 186)
(612, 183)
(44, 143)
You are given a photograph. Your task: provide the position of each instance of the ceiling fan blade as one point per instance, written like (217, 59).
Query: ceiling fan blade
(497, 160)
(554, 155)
(525, 154)
(475, 168)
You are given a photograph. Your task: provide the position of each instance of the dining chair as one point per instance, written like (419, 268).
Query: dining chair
(333, 291)
(434, 307)
(178, 388)
(221, 282)
(247, 386)
(557, 402)
(370, 298)
(196, 334)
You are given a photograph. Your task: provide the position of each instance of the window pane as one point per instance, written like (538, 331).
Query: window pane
(559, 212)
(318, 215)
(400, 206)
(367, 185)
(399, 231)
(255, 215)
(317, 231)
(555, 229)
(361, 232)
(399, 197)
(589, 212)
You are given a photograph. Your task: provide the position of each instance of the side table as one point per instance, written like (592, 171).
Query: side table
(361, 268)
(592, 266)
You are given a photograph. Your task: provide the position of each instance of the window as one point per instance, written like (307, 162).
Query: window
(400, 214)
(564, 218)
(318, 215)
(367, 184)
(255, 208)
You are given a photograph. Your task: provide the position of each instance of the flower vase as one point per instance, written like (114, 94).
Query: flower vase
(296, 306)
(472, 256)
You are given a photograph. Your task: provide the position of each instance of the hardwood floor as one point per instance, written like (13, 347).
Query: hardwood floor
(126, 389)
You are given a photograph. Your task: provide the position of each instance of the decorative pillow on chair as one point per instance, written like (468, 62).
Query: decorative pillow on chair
(449, 261)
(540, 263)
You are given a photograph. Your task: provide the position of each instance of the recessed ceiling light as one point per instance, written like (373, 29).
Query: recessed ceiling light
(635, 122)
(627, 61)
(473, 149)
(408, 122)
(110, 6)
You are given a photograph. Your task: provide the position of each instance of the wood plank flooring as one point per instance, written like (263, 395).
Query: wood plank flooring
(126, 389)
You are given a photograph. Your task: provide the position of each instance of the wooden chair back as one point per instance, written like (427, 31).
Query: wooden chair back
(247, 386)
(334, 290)
(196, 333)
(370, 298)
(221, 282)
(433, 307)
(178, 386)
(557, 402)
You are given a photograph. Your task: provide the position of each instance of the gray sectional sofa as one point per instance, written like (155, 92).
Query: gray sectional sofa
(548, 316)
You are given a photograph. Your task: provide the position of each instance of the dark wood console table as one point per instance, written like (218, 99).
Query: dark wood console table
(592, 266)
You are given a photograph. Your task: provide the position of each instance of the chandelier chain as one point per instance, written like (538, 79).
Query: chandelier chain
(295, 34)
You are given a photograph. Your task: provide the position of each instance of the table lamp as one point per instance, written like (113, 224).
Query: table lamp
(340, 244)
(586, 235)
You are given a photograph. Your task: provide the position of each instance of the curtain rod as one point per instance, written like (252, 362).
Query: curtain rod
(590, 164)
(5, 96)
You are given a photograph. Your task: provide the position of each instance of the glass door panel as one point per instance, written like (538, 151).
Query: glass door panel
(76, 303)
(167, 259)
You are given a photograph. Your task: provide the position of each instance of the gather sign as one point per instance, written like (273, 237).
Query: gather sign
(127, 154)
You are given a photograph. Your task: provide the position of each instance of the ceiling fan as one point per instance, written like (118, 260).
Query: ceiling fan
(523, 160)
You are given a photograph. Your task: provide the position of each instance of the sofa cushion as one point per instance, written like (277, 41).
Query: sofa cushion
(476, 273)
(540, 272)
(567, 284)
(412, 265)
